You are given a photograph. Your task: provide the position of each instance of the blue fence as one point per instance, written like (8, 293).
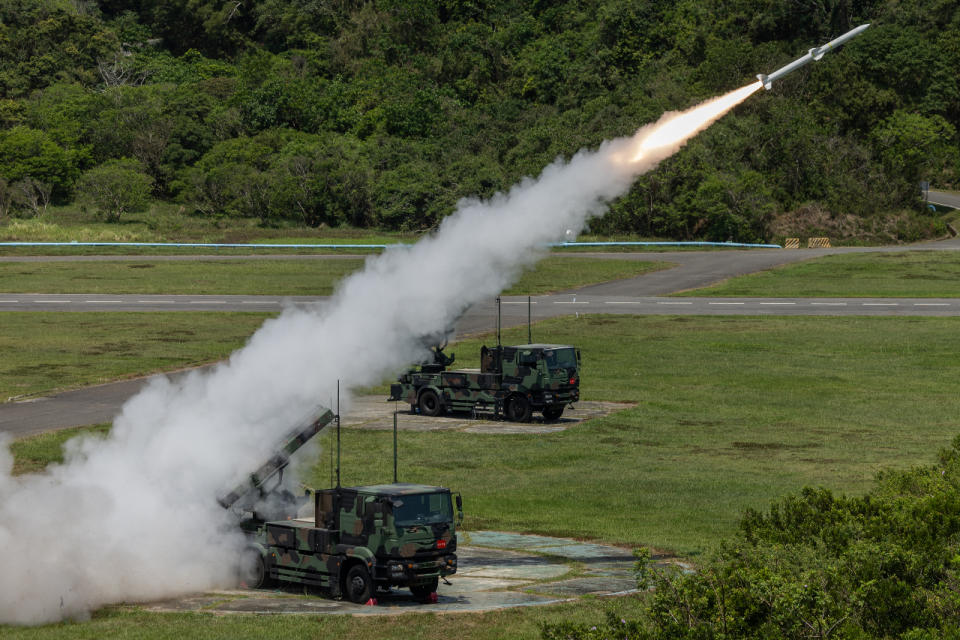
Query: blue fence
(205, 245)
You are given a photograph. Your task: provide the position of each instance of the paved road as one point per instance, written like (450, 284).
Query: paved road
(642, 295)
(944, 199)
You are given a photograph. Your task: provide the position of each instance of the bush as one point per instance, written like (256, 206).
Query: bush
(115, 187)
(817, 565)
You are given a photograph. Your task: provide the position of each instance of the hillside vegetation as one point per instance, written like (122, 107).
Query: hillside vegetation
(383, 114)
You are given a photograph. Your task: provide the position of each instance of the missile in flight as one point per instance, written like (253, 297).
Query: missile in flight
(814, 54)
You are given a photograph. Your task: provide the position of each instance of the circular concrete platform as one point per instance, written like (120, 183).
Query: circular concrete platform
(496, 570)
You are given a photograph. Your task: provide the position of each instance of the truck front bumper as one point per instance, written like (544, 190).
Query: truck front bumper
(407, 572)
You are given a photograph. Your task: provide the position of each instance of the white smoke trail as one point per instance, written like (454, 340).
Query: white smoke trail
(133, 517)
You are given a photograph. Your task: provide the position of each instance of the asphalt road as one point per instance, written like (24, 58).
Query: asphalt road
(641, 295)
(944, 199)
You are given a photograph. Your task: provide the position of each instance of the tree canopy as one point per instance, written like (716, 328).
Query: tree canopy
(386, 112)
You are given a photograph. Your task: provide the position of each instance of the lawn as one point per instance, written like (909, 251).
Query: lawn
(732, 413)
(44, 352)
(907, 274)
(507, 624)
(294, 277)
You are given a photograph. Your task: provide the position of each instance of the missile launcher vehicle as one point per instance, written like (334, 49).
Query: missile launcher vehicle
(513, 382)
(358, 540)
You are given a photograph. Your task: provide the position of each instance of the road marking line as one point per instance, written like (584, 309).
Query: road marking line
(515, 302)
(726, 303)
(778, 303)
(569, 302)
(51, 301)
(156, 301)
(674, 303)
(9, 301)
(916, 304)
(105, 302)
(622, 302)
(881, 304)
(829, 304)
(208, 302)
(260, 302)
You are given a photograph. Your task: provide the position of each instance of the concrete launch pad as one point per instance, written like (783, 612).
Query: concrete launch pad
(375, 413)
(497, 570)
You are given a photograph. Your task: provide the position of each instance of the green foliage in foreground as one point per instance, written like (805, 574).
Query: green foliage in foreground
(819, 565)
(906, 274)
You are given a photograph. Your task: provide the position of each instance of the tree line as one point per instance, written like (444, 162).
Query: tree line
(384, 113)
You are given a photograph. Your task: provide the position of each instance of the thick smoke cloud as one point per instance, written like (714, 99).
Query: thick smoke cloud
(133, 517)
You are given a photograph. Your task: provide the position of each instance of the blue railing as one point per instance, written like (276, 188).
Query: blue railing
(210, 245)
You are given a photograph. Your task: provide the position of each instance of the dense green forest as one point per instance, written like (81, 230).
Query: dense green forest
(385, 113)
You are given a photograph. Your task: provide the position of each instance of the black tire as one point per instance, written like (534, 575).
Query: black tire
(358, 587)
(259, 576)
(552, 411)
(423, 591)
(518, 409)
(430, 403)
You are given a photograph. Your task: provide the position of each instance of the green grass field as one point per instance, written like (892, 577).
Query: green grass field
(44, 352)
(520, 623)
(907, 274)
(731, 413)
(269, 277)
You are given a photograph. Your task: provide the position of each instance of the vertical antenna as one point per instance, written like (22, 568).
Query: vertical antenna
(338, 434)
(394, 442)
(498, 321)
(331, 453)
(529, 330)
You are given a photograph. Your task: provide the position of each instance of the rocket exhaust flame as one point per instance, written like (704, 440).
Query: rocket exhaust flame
(677, 128)
(134, 516)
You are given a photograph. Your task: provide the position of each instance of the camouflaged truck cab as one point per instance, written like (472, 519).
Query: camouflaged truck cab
(361, 539)
(512, 381)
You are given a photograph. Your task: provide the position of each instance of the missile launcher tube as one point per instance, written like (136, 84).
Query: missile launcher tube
(280, 459)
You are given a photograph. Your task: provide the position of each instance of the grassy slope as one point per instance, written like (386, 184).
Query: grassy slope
(914, 274)
(268, 277)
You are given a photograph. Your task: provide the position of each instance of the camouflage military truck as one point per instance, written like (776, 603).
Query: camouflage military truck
(512, 381)
(358, 540)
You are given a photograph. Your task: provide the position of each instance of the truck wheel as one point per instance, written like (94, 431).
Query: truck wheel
(552, 412)
(430, 403)
(423, 591)
(358, 586)
(256, 565)
(518, 409)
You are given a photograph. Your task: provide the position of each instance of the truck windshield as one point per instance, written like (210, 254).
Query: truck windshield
(560, 359)
(424, 508)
